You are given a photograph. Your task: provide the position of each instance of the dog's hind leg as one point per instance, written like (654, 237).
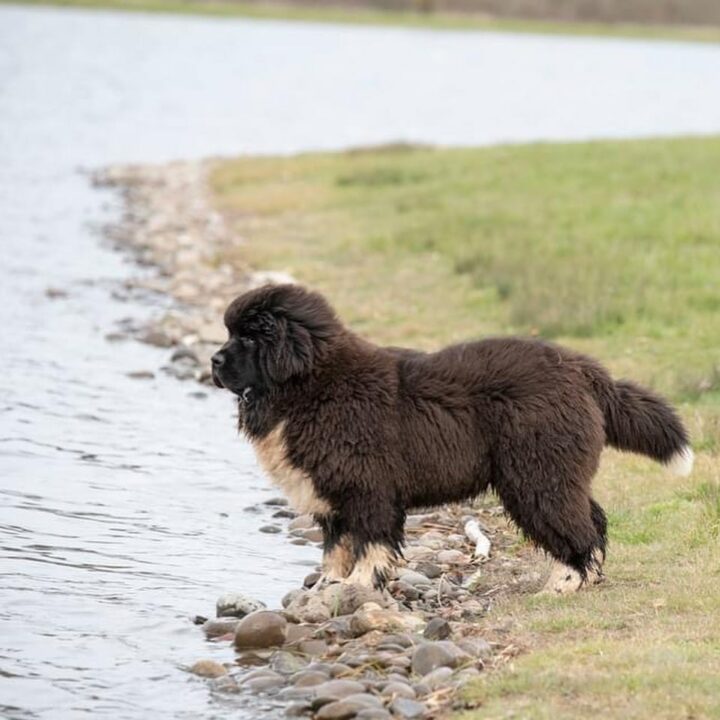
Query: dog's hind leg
(562, 519)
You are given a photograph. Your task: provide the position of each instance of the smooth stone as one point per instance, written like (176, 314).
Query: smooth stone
(308, 678)
(373, 714)
(338, 627)
(249, 658)
(260, 673)
(431, 655)
(311, 535)
(452, 557)
(220, 626)
(345, 599)
(295, 633)
(437, 678)
(287, 663)
(284, 514)
(271, 529)
(404, 589)
(236, 605)
(302, 522)
(276, 502)
(263, 684)
(297, 709)
(437, 629)
(371, 617)
(311, 579)
(339, 710)
(477, 647)
(365, 699)
(417, 553)
(335, 690)
(416, 579)
(208, 669)
(407, 708)
(339, 669)
(402, 639)
(290, 596)
(260, 629)
(307, 607)
(312, 647)
(398, 689)
(430, 570)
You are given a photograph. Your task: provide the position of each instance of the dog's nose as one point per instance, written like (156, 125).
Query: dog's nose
(218, 359)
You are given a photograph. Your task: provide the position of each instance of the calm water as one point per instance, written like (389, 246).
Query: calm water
(122, 501)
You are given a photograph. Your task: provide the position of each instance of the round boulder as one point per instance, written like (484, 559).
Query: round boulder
(260, 629)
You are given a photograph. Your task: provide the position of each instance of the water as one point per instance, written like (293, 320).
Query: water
(122, 501)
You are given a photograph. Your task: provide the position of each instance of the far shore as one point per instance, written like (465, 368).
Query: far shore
(441, 20)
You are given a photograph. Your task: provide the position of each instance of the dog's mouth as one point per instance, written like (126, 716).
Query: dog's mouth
(244, 393)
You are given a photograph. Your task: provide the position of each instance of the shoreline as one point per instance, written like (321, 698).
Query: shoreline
(371, 17)
(408, 650)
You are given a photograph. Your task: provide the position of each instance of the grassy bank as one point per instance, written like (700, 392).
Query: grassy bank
(367, 16)
(613, 248)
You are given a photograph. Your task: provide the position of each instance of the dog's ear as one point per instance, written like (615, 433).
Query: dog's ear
(292, 352)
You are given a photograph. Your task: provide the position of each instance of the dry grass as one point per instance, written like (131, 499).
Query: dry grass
(613, 248)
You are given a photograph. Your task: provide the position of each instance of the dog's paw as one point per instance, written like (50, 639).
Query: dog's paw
(563, 580)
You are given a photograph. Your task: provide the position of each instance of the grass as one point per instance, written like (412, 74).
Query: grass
(367, 16)
(613, 248)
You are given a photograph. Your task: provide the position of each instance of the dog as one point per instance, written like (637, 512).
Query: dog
(356, 434)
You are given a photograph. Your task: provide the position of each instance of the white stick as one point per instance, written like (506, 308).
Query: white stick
(481, 540)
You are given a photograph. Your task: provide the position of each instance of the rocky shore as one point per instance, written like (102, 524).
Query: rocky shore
(340, 651)
(345, 651)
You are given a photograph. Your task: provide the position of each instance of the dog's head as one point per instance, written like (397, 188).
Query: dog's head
(276, 332)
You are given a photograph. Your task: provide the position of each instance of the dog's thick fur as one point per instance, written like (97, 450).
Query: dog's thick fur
(358, 434)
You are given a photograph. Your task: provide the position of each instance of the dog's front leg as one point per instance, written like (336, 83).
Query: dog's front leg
(375, 530)
(337, 552)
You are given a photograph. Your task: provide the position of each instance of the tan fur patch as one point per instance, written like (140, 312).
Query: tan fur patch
(271, 452)
(376, 558)
(338, 563)
(564, 580)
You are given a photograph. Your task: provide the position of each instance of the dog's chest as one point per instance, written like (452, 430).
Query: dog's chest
(271, 452)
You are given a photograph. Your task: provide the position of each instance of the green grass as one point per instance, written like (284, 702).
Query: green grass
(610, 247)
(367, 16)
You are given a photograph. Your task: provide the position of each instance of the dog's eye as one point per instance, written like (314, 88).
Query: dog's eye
(247, 342)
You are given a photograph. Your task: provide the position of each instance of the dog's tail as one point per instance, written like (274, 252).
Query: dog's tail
(638, 420)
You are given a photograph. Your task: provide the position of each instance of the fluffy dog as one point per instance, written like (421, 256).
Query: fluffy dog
(357, 434)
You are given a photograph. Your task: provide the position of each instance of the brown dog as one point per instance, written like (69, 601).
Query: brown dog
(357, 434)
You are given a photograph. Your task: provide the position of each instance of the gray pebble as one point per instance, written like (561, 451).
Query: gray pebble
(437, 678)
(236, 605)
(271, 529)
(398, 689)
(437, 629)
(407, 708)
(429, 656)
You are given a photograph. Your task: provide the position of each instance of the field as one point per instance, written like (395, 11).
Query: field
(612, 248)
(440, 20)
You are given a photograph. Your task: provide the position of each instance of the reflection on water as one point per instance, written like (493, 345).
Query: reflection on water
(122, 501)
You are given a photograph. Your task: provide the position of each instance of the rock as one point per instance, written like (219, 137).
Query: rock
(371, 617)
(276, 502)
(406, 708)
(285, 514)
(339, 710)
(314, 648)
(365, 699)
(271, 529)
(334, 690)
(476, 647)
(404, 590)
(307, 607)
(312, 535)
(437, 629)
(398, 689)
(339, 669)
(431, 655)
(186, 354)
(417, 553)
(141, 375)
(308, 678)
(290, 596)
(250, 658)
(429, 569)
(260, 629)
(337, 627)
(437, 678)
(236, 605)
(416, 579)
(345, 599)
(287, 663)
(208, 669)
(220, 626)
(311, 579)
(295, 633)
(264, 684)
(297, 709)
(157, 338)
(373, 714)
(452, 557)
(302, 522)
